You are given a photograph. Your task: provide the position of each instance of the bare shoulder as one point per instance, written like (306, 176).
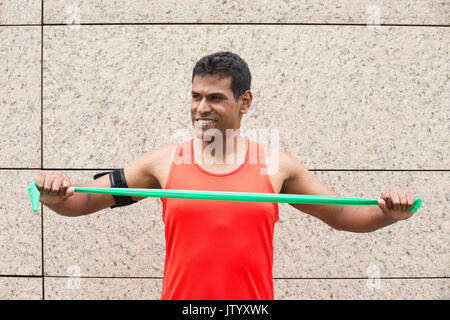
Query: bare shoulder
(291, 164)
(145, 171)
(159, 158)
(162, 152)
(288, 167)
(281, 163)
(300, 180)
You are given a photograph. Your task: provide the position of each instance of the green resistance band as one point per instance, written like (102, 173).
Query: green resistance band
(219, 195)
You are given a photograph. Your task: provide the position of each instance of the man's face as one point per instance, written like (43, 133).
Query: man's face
(213, 99)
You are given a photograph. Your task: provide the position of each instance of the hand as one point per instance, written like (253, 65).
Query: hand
(395, 202)
(53, 187)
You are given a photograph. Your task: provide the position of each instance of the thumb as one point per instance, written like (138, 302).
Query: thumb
(70, 192)
(383, 206)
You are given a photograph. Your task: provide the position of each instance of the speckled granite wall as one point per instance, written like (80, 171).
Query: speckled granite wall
(347, 97)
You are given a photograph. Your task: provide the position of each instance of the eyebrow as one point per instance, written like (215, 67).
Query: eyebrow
(218, 94)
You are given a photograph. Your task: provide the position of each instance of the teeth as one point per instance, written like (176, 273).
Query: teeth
(205, 121)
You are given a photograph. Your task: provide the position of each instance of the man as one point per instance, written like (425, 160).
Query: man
(220, 249)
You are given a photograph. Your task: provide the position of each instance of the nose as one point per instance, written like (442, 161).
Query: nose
(203, 106)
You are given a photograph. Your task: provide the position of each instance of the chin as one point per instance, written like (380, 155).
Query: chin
(199, 134)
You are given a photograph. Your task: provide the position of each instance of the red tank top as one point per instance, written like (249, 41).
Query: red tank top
(218, 249)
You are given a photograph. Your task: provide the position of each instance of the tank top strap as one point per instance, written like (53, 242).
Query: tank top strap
(257, 153)
(183, 153)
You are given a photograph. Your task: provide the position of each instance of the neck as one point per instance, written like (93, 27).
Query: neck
(229, 151)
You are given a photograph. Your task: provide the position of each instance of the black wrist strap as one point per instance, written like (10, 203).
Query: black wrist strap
(117, 179)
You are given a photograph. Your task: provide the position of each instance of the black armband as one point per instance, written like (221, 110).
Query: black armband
(117, 179)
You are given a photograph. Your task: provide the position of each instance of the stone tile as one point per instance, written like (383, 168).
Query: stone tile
(341, 97)
(20, 228)
(287, 11)
(20, 288)
(20, 96)
(284, 289)
(20, 12)
(102, 289)
(305, 247)
(129, 241)
(362, 289)
(125, 241)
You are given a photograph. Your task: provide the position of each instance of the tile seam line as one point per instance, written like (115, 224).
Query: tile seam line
(311, 169)
(251, 24)
(282, 278)
(275, 278)
(42, 144)
(230, 24)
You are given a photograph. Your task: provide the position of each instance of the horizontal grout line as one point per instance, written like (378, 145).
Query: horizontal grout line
(275, 278)
(230, 23)
(21, 25)
(107, 277)
(363, 278)
(81, 277)
(63, 169)
(111, 169)
(377, 170)
(19, 276)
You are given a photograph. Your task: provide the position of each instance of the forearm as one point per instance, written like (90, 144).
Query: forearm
(73, 207)
(363, 219)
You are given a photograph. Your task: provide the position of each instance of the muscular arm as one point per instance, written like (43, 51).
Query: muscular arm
(299, 180)
(140, 173)
(364, 219)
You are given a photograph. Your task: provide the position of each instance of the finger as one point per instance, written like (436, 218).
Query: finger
(40, 180)
(403, 199)
(410, 199)
(64, 186)
(387, 198)
(406, 200)
(48, 181)
(395, 200)
(56, 186)
(385, 204)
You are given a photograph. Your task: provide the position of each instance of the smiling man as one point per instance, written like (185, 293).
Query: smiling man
(220, 249)
(219, 101)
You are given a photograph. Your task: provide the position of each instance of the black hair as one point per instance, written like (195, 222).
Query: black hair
(226, 64)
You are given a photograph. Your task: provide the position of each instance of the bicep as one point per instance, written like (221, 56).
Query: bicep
(135, 177)
(139, 173)
(301, 181)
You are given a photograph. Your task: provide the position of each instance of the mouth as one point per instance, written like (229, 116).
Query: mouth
(204, 123)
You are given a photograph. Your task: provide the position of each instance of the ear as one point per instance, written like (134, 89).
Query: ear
(245, 100)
